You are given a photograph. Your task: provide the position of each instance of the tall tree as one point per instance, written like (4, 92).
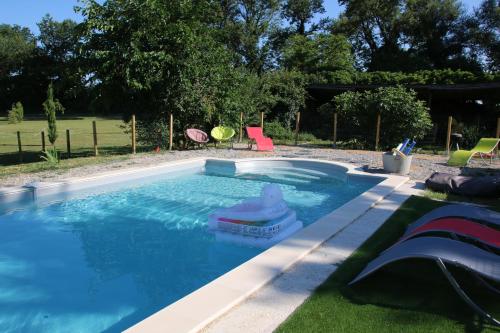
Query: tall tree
(434, 31)
(256, 21)
(485, 32)
(318, 53)
(374, 31)
(300, 12)
(16, 45)
(60, 43)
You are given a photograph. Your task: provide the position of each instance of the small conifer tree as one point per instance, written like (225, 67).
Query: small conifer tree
(51, 107)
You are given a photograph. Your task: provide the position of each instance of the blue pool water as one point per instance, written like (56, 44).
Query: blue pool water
(106, 260)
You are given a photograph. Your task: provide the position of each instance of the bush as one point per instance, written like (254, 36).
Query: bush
(16, 113)
(402, 114)
(277, 131)
(471, 135)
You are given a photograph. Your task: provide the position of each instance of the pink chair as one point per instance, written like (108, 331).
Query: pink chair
(255, 135)
(197, 136)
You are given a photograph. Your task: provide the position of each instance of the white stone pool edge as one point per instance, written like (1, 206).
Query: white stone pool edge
(195, 311)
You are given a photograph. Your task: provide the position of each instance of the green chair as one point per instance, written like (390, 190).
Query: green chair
(462, 157)
(222, 134)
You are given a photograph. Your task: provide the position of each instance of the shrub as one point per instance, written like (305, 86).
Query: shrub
(51, 156)
(471, 135)
(277, 131)
(16, 113)
(402, 114)
(52, 106)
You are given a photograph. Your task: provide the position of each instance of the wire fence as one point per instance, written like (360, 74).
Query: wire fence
(92, 138)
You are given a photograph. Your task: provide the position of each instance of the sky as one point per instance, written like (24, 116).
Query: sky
(28, 12)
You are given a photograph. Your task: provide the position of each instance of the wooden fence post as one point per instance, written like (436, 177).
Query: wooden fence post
(133, 134)
(335, 130)
(42, 134)
(68, 143)
(241, 128)
(377, 134)
(94, 131)
(19, 146)
(171, 132)
(297, 127)
(448, 135)
(262, 120)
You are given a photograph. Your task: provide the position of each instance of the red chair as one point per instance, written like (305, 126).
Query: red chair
(255, 135)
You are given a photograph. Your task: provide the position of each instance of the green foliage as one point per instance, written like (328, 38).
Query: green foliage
(318, 53)
(301, 12)
(277, 131)
(16, 45)
(16, 113)
(402, 114)
(409, 35)
(471, 135)
(438, 76)
(51, 156)
(51, 107)
(287, 92)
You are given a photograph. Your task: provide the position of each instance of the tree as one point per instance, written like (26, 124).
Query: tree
(318, 53)
(435, 34)
(162, 57)
(287, 91)
(58, 61)
(402, 114)
(485, 32)
(51, 107)
(373, 28)
(300, 12)
(16, 45)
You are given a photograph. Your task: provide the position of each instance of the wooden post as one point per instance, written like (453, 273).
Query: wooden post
(133, 134)
(448, 135)
(498, 128)
(241, 128)
(94, 131)
(68, 143)
(377, 134)
(19, 146)
(297, 127)
(43, 140)
(262, 120)
(171, 132)
(335, 130)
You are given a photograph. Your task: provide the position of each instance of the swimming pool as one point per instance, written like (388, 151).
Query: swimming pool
(107, 257)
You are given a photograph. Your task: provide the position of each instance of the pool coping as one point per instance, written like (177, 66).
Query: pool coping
(199, 308)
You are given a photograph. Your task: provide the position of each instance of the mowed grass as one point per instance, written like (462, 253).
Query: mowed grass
(407, 296)
(111, 138)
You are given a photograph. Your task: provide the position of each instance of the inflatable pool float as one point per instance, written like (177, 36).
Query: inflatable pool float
(261, 221)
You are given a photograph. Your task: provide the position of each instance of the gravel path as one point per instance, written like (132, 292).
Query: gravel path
(422, 166)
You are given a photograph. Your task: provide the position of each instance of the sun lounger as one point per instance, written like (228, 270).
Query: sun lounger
(462, 157)
(458, 226)
(469, 212)
(443, 251)
(255, 135)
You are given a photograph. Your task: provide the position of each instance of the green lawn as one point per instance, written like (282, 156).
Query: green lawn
(408, 296)
(111, 138)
